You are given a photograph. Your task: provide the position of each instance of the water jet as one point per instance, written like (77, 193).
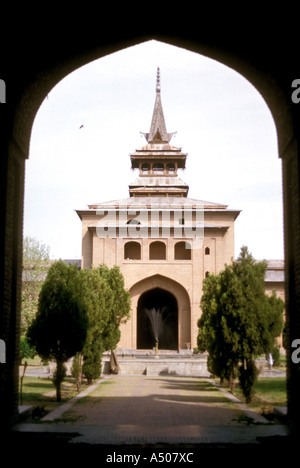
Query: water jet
(156, 320)
(156, 349)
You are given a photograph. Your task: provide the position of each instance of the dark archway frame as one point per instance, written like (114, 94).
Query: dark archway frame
(271, 69)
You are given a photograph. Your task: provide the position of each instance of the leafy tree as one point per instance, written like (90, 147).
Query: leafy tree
(98, 299)
(77, 369)
(239, 321)
(120, 308)
(36, 262)
(275, 323)
(26, 350)
(108, 305)
(34, 252)
(261, 318)
(248, 373)
(59, 330)
(215, 326)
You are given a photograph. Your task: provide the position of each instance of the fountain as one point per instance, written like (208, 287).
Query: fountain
(157, 330)
(156, 320)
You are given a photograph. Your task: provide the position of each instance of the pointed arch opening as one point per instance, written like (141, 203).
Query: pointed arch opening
(157, 319)
(158, 291)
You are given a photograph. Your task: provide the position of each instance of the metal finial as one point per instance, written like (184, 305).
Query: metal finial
(158, 80)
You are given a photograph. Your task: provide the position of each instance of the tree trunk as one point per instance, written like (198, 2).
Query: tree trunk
(232, 384)
(79, 373)
(59, 377)
(21, 389)
(232, 380)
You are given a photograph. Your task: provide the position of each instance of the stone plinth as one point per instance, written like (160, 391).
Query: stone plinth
(181, 366)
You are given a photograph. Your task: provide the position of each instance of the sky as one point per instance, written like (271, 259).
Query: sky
(91, 121)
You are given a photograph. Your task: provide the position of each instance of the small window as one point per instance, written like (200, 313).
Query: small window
(182, 251)
(145, 168)
(132, 251)
(158, 168)
(206, 274)
(157, 251)
(171, 168)
(207, 251)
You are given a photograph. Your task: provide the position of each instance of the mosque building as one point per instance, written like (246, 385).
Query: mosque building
(164, 242)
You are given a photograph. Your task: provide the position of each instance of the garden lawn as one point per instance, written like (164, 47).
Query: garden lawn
(269, 392)
(40, 393)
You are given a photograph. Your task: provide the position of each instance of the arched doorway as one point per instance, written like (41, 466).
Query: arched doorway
(157, 316)
(157, 291)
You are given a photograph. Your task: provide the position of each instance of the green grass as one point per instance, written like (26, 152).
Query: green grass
(95, 396)
(282, 363)
(269, 392)
(36, 362)
(35, 389)
(40, 393)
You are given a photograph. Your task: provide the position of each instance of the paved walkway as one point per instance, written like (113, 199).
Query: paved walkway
(124, 410)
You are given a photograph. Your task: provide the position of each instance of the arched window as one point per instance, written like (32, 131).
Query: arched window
(132, 251)
(157, 251)
(207, 251)
(182, 251)
(206, 274)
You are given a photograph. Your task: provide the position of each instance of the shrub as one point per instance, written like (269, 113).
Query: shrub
(248, 373)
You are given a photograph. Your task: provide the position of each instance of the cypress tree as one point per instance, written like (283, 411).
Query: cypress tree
(239, 321)
(59, 329)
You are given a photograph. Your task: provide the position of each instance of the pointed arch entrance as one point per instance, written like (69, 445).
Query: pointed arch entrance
(169, 296)
(157, 318)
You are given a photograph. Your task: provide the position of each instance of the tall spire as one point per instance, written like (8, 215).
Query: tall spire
(158, 131)
(158, 80)
(158, 162)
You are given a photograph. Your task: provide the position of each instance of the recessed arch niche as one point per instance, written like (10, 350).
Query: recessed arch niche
(162, 288)
(157, 319)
